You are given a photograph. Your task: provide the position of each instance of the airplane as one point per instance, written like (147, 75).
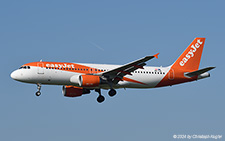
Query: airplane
(78, 79)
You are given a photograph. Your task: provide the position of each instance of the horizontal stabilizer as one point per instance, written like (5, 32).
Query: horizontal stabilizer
(198, 72)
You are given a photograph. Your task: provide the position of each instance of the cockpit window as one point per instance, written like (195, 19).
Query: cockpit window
(25, 67)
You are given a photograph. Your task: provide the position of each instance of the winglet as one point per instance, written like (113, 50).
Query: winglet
(156, 55)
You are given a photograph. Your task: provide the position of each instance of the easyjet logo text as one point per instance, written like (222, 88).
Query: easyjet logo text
(191, 53)
(60, 65)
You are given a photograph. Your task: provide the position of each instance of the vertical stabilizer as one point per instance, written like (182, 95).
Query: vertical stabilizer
(191, 57)
(188, 61)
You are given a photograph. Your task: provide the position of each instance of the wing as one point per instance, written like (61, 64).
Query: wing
(117, 74)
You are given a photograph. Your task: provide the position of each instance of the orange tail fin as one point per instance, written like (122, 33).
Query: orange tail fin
(191, 57)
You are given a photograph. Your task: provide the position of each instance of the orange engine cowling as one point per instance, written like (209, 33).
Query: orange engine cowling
(89, 80)
(72, 91)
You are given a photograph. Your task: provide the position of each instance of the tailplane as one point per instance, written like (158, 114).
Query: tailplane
(191, 57)
(199, 72)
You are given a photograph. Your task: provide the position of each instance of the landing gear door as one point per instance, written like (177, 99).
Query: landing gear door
(40, 68)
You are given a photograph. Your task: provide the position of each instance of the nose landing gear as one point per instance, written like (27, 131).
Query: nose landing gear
(38, 93)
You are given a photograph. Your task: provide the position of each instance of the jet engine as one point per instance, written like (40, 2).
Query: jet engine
(87, 80)
(72, 91)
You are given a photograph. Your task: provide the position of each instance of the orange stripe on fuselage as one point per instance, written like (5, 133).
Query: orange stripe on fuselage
(132, 80)
(71, 67)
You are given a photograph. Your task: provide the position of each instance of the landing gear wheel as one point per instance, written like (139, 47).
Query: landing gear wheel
(112, 92)
(38, 93)
(100, 99)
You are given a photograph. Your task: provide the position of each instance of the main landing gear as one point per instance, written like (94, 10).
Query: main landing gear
(101, 98)
(112, 92)
(38, 93)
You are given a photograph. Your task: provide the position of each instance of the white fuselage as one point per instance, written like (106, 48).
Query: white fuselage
(148, 77)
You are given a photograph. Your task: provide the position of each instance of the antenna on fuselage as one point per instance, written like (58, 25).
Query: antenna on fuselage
(41, 60)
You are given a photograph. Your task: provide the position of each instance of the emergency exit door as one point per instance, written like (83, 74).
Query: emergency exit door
(40, 68)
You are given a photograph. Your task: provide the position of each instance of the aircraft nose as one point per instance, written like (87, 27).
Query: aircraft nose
(14, 75)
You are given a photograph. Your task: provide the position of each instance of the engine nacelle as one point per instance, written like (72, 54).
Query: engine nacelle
(89, 80)
(86, 80)
(72, 91)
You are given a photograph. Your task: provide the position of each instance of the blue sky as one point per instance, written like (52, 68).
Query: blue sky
(114, 32)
